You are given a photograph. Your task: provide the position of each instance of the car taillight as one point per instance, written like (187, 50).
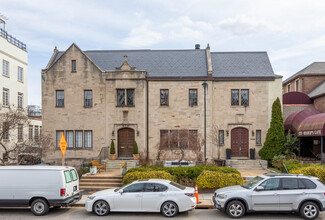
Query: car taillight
(62, 192)
(189, 194)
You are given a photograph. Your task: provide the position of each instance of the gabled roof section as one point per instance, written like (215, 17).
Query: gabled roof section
(58, 54)
(318, 91)
(314, 68)
(241, 64)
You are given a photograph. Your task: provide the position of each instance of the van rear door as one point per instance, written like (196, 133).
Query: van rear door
(68, 183)
(75, 179)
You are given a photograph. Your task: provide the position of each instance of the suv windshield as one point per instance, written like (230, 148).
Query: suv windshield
(250, 184)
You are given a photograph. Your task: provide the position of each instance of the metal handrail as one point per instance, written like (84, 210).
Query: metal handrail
(12, 40)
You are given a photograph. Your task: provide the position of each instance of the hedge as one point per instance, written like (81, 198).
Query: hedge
(215, 179)
(181, 173)
(316, 170)
(137, 175)
(290, 164)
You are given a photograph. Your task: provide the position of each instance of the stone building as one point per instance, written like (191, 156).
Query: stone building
(199, 101)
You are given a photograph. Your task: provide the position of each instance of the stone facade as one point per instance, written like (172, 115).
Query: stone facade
(147, 117)
(306, 83)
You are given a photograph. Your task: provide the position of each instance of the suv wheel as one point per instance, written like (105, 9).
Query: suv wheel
(101, 208)
(309, 210)
(235, 209)
(39, 207)
(169, 209)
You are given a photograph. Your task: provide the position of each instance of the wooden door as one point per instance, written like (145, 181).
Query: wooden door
(239, 142)
(125, 142)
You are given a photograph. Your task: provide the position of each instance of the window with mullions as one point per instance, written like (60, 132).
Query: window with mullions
(245, 97)
(125, 97)
(20, 100)
(79, 139)
(58, 137)
(235, 97)
(193, 97)
(88, 98)
(221, 137)
(69, 137)
(164, 97)
(258, 137)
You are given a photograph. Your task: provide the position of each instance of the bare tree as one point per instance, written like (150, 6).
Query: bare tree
(179, 142)
(15, 147)
(214, 135)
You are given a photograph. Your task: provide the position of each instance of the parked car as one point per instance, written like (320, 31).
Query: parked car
(273, 192)
(153, 195)
(39, 187)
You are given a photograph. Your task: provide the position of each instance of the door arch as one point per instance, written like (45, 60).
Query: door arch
(125, 142)
(239, 142)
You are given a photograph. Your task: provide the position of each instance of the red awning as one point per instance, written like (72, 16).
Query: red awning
(294, 120)
(312, 126)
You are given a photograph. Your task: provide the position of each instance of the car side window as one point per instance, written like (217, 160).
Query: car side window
(155, 187)
(308, 184)
(271, 184)
(138, 187)
(290, 183)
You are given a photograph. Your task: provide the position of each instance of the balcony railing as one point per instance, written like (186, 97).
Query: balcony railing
(12, 40)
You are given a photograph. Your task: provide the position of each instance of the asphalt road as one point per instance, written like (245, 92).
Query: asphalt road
(80, 213)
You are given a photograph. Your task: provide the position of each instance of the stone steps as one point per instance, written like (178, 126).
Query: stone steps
(100, 181)
(247, 164)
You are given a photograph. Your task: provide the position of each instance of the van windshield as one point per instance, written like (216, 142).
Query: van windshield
(74, 175)
(67, 176)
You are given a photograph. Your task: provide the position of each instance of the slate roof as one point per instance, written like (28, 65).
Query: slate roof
(241, 64)
(174, 63)
(314, 68)
(320, 89)
(184, 63)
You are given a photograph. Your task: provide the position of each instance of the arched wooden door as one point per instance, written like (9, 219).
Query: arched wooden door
(239, 142)
(125, 142)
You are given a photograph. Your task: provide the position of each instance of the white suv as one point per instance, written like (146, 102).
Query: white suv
(273, 192)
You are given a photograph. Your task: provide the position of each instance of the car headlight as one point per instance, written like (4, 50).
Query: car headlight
(91, 197)
(222, 196)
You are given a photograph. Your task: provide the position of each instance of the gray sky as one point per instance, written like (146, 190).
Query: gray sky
(291, 31)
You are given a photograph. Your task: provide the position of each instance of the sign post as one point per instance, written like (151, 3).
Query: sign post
(63, 146)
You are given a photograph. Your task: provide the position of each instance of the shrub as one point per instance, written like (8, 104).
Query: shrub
(290, 165)
(112, 149)
(275, 138)
(135, 148)
(215, 179)
(314, 170)
(181, 173)
(132, 176)
(278, 159)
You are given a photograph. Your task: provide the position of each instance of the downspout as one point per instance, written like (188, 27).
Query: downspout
(205, 85)
(147, 125)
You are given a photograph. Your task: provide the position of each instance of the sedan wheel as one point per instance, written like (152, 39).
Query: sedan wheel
(235, 209)
(309, 210)
(169, 209)
(101, 208)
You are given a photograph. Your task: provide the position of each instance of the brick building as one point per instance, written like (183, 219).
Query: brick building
(156, 98)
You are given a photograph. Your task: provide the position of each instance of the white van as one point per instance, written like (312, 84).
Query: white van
(39, 187)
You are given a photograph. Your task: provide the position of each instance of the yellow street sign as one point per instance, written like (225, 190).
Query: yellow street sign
(63, 144)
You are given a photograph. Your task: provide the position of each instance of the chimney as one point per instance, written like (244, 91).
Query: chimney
(197, 46)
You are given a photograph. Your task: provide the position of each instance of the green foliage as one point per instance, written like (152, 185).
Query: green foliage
(290, 145)
(185, 172)
(277, 159)
(135, 148)
(137, 175)
(112, 149)
(290, 165)
(275, 138)
(314, 170)
(215, 179)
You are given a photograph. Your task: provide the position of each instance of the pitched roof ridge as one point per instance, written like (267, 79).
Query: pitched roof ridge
(222, 52)
(145, 50)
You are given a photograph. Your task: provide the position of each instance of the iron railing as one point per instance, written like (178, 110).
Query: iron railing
(12, 40)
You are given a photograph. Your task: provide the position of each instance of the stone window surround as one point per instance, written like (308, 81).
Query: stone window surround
(125, 97)
(189, 97)
(297, 85)
(240, 104)
(89, 105)
(221, 141)
(73, 66)
(258, 142)
(160, 94)
(74, 139)
(56, 98)
(169, 133)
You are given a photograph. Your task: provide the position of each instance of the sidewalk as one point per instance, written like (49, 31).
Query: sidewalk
(205, 201)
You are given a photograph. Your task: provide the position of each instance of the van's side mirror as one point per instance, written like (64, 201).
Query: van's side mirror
(259, 188)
